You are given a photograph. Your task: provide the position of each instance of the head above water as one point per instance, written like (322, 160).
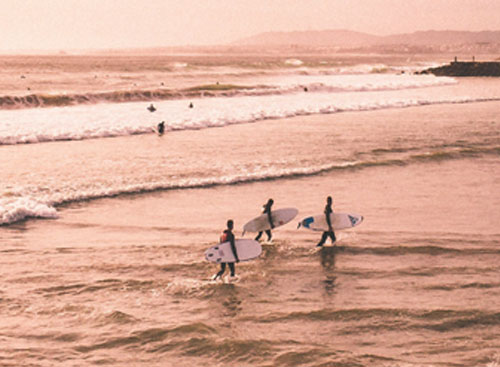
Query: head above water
(230, 224)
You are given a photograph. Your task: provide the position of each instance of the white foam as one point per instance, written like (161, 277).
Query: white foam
(20, 206)
(294, 62)
(121, 119)
(180, 65)
(14, 209)
(101, 121)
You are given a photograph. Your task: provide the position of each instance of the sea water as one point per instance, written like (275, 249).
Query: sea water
(104, 223)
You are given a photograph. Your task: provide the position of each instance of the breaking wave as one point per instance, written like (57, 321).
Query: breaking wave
(278, 86)
(78, 123)
(16, 206)
(16, 209)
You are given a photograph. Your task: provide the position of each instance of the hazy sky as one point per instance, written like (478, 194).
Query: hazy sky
(74, 24)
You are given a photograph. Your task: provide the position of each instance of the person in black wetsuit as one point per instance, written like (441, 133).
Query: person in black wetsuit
(228, 235)
(161, 128)
(267, 210)
(151, 108)
(330, 233)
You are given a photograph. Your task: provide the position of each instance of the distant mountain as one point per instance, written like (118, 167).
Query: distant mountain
(345, 38)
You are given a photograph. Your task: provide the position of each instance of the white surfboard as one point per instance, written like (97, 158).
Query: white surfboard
(279, 216)
(222, 252)
(339, 221)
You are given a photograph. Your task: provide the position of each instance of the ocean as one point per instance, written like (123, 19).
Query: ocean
(104, 224)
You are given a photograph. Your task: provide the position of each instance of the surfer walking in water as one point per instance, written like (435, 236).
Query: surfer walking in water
(161, 128)
(228, 235)
(267, 210)
(330, 233)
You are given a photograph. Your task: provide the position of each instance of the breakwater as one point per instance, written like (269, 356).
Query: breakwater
(461, 68)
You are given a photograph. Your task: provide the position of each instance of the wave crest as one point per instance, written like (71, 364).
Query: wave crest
(19, 208)
(311, 83)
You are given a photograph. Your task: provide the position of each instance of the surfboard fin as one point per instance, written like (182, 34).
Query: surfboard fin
(298, 225)
(243, 233)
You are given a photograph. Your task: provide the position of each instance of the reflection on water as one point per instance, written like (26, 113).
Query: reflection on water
(327, 256)
(231, 302)
(226, 300)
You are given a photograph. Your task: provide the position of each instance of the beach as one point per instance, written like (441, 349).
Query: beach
(105, 224)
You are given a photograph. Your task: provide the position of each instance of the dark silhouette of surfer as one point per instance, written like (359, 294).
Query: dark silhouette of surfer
(191, 105)
(330, 233)
(151, 108)
(267, 210)
(228, 235)
(161, 128)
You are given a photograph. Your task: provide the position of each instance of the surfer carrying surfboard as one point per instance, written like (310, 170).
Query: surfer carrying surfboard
(330, 233)
(228, 236)
(267, 210)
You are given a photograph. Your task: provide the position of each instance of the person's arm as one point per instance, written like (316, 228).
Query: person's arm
(269, 217)
(328, 211)
(233, 247)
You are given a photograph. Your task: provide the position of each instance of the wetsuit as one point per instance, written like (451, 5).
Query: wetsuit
(331, 234)
(161, 128)
(228, 236)
(267, 210)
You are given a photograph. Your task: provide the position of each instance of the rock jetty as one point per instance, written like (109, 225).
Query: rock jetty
(461, 68)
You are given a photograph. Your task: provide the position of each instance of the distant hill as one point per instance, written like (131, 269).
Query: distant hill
(345, 38)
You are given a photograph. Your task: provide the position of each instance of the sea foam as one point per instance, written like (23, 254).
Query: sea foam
(121, 119)
(89, 122)
(18, 208)
(23, 205)
(326, 81)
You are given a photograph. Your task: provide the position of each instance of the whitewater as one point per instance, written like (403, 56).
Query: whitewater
(325, 94)
(281, 96)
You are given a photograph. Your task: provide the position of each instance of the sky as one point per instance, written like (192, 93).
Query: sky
(98, 24)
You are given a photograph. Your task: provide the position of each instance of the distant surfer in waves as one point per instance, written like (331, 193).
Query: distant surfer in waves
(330, 233)
(228, 235)
(151, 108)
(161, 128)
(267, 210)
